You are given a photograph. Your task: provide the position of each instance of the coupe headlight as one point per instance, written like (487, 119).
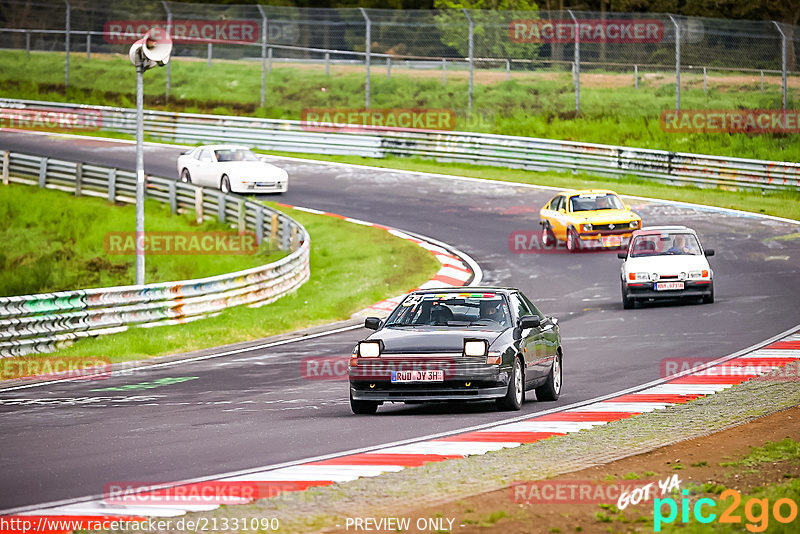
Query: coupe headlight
(369, 349)
(638, 277)
(635, 224)
(475, 347)
(586, 227)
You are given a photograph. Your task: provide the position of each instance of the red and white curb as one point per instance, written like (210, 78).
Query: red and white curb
(680, 389)
(457, 268)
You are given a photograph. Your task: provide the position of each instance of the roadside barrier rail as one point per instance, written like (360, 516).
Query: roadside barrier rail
(44, 322)
(465, 147)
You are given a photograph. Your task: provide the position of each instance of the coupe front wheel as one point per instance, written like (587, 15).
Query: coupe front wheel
(360, 407)
(573, 241)
(516, 390)
(225, 185)
(186, 177)
(709, 297)
(627, 302)
(552, 387)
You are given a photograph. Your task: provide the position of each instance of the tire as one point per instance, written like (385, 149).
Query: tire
(360, 407)
(551, 389)
(573, 241)
(225, 184)
(709, 299)
(627, 302)
(515, 395)
(548, 237)
(186, 177)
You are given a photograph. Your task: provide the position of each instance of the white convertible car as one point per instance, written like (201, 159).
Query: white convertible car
(665, 262)
(231, 168)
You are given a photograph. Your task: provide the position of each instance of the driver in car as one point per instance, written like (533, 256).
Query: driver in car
(679, 246)
(492, 310)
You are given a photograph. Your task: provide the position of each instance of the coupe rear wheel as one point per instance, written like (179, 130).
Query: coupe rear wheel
(186, 177)
(548, 237)
(516, 390)
(361, 407)
(552, 388)
(225, 185)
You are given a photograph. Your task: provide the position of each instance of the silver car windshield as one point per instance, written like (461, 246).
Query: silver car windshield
(485, 311)
(235, 155)
(665, 244)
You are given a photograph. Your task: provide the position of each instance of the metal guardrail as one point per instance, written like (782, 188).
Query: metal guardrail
(466, 147)
(42, 323)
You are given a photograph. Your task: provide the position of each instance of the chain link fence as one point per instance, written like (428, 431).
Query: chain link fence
(499, 44)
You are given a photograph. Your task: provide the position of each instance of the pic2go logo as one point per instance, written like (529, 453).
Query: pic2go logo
(756, 511)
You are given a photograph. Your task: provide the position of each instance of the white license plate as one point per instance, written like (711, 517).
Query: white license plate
(417, 376)
(612, 241)
(265, 184)
(666, 286)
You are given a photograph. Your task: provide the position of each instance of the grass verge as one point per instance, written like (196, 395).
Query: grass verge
(352, 266)
(51, 241)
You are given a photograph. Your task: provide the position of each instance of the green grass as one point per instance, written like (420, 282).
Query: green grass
(786, 449)
(352, 267)
(779, 203)
(536, 105)
(52, 241)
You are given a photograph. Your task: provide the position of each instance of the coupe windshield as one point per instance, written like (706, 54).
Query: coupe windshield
(465, 310)
(235, 155)
(665, 244)
(598, 201)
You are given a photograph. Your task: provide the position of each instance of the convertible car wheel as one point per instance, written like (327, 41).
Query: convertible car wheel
(516, 390)
(552, 388)
(360, 407)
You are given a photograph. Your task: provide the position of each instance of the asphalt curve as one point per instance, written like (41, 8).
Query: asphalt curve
(255, 408)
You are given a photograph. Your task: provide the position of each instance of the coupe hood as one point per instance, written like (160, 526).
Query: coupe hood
(256, 169)
(426, 339)
(606, 216)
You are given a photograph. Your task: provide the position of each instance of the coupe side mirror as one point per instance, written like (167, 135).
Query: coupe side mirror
(709, 252)
(529, 321)
(373, 323)
(622, 255)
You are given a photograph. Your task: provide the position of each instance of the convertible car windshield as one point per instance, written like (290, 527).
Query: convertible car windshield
(235, 155)
(591, 202)
(464, 310)
(665, 244)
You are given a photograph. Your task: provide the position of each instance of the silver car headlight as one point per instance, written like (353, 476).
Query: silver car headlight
(369, 349)
(475, 347)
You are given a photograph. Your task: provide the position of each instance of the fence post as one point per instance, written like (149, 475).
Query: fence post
(762, 82)
(66, 45)
(43, 172)
(112, 185)
(327, 63)
(198, 204)
(577, 63)
(294, 238)
(263, 54)
(88, 46)
(169, 65)
(388, 68)
(241, 218)
(222, 200)
(471, 56)
(78, 179)
(6, 158)
(259, 224)
(210, 51)
(677, 63)
(269, 60)
(273, 233)
(27, 43)
(368, 41)
(636, 77)
(704, 80)
(173, 197)
(783, 68)
(444, 72)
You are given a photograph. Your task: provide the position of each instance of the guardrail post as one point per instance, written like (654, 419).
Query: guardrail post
(241, 218)
(66, 45)
(577, 63)
(471, 57)
(762, 82)
(677, 63)
(6, 160)
(269, 60)
(43, 172)
(636, 77)
(273, 234)
(285, 235)
(210, 49)
(198, 204)
(704, 80)
(78, 179)
(264, 34)
(294, 238)
(173, 197)
(112, 185)
(388, 68)
(222, 200)
(368, 43)
(27, 44)
(444, 72)
(508, 70)
(327, 63)
(259, 224)
(88, 46)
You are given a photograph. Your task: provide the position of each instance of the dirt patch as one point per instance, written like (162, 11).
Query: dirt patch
(695, 462)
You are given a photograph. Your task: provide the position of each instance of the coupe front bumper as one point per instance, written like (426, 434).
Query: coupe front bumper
(691, 289)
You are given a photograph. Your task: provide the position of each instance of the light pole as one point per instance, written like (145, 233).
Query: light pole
(151, 50)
